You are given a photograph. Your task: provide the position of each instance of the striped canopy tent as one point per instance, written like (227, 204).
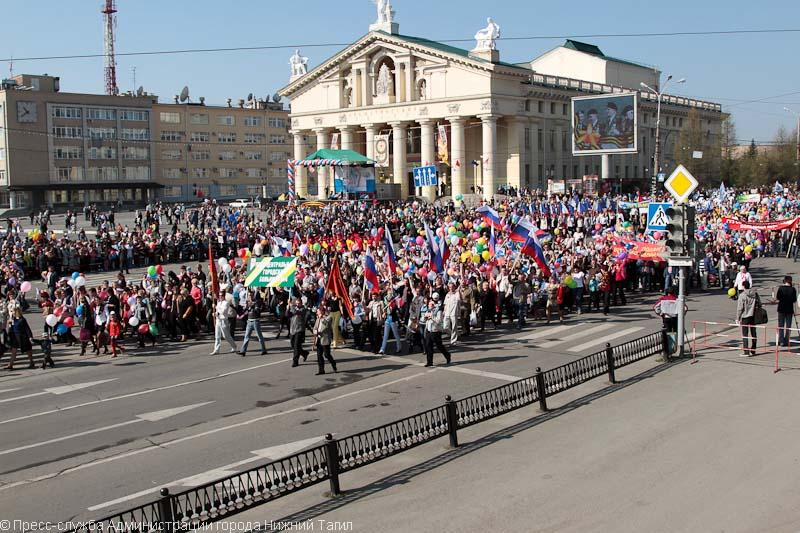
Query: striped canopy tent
(335, 158)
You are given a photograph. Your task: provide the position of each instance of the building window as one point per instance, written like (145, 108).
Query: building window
(198, 118)
(134, 115)
(540, 139)
(253, 121)
(644, 118)
(527, 172)
(277, 172)
(170, 117)
(136, 153)
(552, 108)
(172, 191)
(171, 173)
(627, 171)
(199, 136)
(254, 138)
(564, 109)
(98, 113)
(226, 138)
(200, 172)
(644, 144)
(134, 134)
(636, 172)
(171, 136)
(574, 171)
(59, 152)
(527, 138)
(564, 141)
(102, 134)
(527, 105)
(226, 120)
(253, 190)
(68, 174)
(540, 172)
(227, 190)
(277, 122)
(254, 156)
(66, 112)
(277, 139)
(201, 155)
(102, 152)
(227, 156)
(680, 122)
(253, 172)
(616, 171)
(172, 155)
(563, 172)
(68, 132)
(541, 110)
(136, 173)
(278, 156)
(102, 173)
(552, 143)
(3, 177)
(227, 173)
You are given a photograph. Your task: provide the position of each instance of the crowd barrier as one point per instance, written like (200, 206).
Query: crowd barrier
(224, 497)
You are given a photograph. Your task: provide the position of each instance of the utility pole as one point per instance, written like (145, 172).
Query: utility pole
(656, 158)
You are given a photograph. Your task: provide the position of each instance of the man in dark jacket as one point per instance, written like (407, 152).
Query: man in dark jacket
(786, 296)
(297, 330)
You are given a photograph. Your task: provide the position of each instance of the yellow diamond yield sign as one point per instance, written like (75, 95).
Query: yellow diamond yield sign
(681, 184)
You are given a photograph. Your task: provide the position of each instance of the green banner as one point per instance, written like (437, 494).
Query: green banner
(271, 272)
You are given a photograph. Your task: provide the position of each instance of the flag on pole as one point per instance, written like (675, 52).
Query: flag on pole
(490, 216)
(391, 256)
(437, 257)
(492, 243)
(212, 269)
(533, 248)
(522, 230)
(336, 286)
(371, 274)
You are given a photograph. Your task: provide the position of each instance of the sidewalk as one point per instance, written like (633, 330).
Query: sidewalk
(674, 447)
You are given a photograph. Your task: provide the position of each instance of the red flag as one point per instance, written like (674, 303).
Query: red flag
(212, 269)
(336, 286)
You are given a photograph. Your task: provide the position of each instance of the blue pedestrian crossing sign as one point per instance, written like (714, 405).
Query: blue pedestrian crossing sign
(425, 176)
(657, 218)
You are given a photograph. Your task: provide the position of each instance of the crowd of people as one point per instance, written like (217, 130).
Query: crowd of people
(416, 275)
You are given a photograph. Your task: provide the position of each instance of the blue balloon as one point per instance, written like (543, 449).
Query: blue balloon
(62, 329)
(76, 275)
(79, 310)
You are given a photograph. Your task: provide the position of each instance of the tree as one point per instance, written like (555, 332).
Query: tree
(728, 167)
(695, 138)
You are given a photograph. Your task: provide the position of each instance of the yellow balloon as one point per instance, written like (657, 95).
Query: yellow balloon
(748, 249)
(557, 231)
(307, 219)
(476, 259)
(486, 255)
(465, 256)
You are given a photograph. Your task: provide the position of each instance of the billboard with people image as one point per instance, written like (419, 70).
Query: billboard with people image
(605, 124)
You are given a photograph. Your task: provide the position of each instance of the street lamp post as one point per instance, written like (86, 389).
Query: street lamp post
(796, 114)
(656, 161)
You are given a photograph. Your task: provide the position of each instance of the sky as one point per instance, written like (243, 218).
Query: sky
(732, 70)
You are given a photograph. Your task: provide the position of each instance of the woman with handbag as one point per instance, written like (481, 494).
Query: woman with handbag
(747, 309)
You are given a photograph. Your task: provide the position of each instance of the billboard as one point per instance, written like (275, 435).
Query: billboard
(605, 124)
(354, 179)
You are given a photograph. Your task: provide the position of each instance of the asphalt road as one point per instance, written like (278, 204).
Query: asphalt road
(96, 435)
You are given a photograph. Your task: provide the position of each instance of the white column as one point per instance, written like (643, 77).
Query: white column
(515, 163)
(428, 154)
(347, 137)
(458, 156)
(323, 173)
(534, 151)
(399, 157)
(489, 123)
(300, 173)
(371, 130)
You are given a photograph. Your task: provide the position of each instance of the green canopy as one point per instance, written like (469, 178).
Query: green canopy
(336, 157)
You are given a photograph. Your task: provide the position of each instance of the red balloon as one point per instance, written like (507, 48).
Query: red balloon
(232, 263)
(69, 321)
(159, 269)
(58, 311)
(144, 328)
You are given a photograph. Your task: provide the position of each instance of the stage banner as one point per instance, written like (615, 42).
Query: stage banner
(444, 156)
(775, 225)
(354, 179)
(271, 272)
(381, 152)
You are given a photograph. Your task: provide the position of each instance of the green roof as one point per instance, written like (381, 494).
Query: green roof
(591, 49)
(348, 157)
(446, 48)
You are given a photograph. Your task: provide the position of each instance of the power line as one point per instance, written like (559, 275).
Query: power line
(330, 45)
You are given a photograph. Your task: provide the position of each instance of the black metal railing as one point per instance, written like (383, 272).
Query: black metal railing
(229, 495)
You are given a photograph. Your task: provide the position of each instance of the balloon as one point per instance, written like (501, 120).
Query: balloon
(317, 247)
(153, 329)
(303, 249)
(451, 230)
(25, 287)
(222, 262)
(144, 328)
(99, 320)
(133, 321)
(423, 272)
(79, 310)
(557, 231)
(757, 243)
(80, 281)
(731, 292)
(748, 249)
(486, 255)
(454, 239)
(657, 235)
(242, 253)
(58, 311)
(151, 270)
(476, 258)
(420, 241)
(227, 268)
(75, 275)
(51, 320)
(598, 226)
(62, 329)
(231, 263)
(132, 300)
(307, 219)
(69, 322)
(71, 283)
(459, 197)
(159, 269)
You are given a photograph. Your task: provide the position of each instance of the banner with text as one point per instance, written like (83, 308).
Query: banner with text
(271, 272)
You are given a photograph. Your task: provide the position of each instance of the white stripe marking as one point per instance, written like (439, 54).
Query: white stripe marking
(461, 369)
(64, 389)
(546, 332)
(607, 338)
(15, 398)
(578, 335)
(204, 434)
(2, 391)
(140, 393)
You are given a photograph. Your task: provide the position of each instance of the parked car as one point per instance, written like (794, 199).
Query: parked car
(240, 203)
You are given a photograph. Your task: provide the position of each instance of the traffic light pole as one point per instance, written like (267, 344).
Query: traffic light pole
(681, 308)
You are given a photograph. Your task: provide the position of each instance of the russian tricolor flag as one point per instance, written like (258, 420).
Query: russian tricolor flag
(492, 243)
(490, 216)
(371, 274)
(523, 230)
(436, 250)
(533, 248)
(543, 236)
(391, 257)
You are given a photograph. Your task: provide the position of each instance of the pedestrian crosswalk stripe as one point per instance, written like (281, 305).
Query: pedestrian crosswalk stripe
(546, 332)
(602, 340)
(579, 334)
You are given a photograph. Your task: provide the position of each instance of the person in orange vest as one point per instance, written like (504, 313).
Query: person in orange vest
(114, 331)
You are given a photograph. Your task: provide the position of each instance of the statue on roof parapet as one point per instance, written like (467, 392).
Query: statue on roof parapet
(487, 37)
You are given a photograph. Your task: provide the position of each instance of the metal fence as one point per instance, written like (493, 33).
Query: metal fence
(230, 495)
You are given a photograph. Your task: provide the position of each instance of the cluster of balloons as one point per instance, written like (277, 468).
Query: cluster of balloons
(226, 265)
(154, 271)
(76, 280)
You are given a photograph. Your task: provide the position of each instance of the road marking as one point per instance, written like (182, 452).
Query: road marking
(577, 335)
(2, 391)
(155, 416)
(607, 338)
(167, 444)
(460, 369)
(140, 393)
(547, 331)
(64, 389)
(273, 453)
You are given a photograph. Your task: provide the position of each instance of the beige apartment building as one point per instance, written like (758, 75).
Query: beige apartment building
(68, 149)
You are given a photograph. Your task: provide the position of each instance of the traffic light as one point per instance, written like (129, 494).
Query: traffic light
(680, 230)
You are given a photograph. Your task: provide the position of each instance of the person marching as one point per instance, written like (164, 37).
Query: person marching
(434, 324)
(297, 330)
(252, 311)
(222, 326)
(323, 337)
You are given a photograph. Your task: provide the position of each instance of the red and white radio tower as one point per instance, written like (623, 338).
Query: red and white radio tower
(109, 14)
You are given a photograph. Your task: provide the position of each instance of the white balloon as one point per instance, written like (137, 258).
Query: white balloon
(71, 283)
(133, 321)
(51, 320)
(80, 281)
(226, 268)
(222, 262)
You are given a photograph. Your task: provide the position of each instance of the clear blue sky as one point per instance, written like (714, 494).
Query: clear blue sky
(725, 69)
